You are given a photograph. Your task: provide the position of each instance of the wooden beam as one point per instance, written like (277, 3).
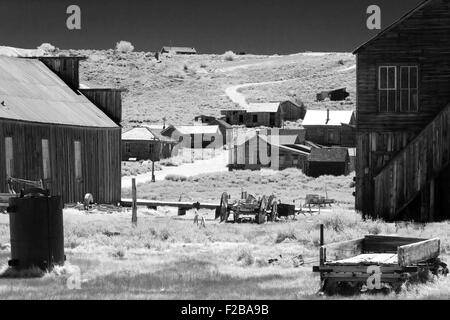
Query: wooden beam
(134, 205)
(176, 204)
(418, 252)
(342, 250)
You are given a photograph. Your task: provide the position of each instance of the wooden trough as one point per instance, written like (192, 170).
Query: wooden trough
(376, 262)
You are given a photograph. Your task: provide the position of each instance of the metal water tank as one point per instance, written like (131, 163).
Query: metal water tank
(36, 230)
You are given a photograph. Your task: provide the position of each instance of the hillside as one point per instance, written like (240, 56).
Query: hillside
(180, 87)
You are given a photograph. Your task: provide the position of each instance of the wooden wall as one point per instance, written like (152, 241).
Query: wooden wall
(344, 136)
(100, 159)
(67, 68)
(317, 169)
(107, 100)
(423, 40)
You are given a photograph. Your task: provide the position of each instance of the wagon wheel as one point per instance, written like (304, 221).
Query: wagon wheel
(262, 210)
(272, 206)
(223, 209)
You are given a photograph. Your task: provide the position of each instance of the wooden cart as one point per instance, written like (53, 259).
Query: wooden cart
(259, 210)
(377, 262)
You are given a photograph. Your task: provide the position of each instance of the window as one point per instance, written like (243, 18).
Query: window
(398, 89)
(408, 89)
(127, 147)
(255, 118)
(77, 149)
(241, 118)
(45, 159)
(9, 156)
(387, 88)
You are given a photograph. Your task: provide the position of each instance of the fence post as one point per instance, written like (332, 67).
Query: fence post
(322, 258)
(133, 205)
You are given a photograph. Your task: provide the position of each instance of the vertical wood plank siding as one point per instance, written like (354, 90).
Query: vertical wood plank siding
(107, 100)
(100, 159)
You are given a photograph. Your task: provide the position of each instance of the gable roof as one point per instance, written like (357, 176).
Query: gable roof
(319, 118)
(138, 133)
(263, 107)
(328, 155)
(20, 53)
(32, 92)
(197, 129)
(396, 23)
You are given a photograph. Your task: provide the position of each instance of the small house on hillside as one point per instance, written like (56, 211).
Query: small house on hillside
(270, 114)
(51, 130)
(330, 127)
(195, 137)
(333, 94)
(204, 119)
(178, 50)
(328, 161)
(141, 143)
(268, 151)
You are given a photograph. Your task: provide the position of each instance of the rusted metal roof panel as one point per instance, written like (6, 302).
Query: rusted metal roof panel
(29, 91)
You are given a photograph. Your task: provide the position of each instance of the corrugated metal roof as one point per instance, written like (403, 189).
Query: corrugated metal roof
(32, 92)
(139, 133)
(319, 118)
(328, 155)
(263, 107)
(18, 52)
(198, 129)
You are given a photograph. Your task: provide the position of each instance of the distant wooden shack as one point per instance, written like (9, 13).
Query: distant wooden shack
(328, 161)
(178, 50)
(195, 136)
(264, 150)
(403, 149)
(142, 143)
(270, 114)
(331, 127)
(333, 94)
(51, 130)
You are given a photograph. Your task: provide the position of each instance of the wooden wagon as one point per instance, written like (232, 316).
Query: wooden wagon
(378, 262)
(258, 210)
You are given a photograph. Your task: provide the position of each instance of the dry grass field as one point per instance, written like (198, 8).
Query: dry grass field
(181, 87)
(168, 257)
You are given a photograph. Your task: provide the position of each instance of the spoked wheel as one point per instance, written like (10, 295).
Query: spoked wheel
(262, 210)
(223, 210)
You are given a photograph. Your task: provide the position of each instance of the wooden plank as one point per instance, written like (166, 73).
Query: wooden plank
(367, 259)
(342, 250)
(134, 205)
(386, 243)
(156, 203)
(358, 268)
(418, 252)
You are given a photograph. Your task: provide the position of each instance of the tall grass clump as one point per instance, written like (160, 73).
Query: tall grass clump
(124, 46)
(245, 255)
(176, 177)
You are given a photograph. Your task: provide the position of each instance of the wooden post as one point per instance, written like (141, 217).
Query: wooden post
(153, 170)
(322, 250)
(133, 205)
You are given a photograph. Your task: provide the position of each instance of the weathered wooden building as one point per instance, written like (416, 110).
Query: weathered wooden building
(403, 118)
(271, 114)
(142, 143)
(328, 161)
(50, 130)
(265, 150)
(178, 50)
(330, 127)
(195, 137)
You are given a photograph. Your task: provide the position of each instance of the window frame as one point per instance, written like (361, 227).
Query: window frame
(398, 88)
(409, 89)
(78, 160)
(9, 156)
(46, 161)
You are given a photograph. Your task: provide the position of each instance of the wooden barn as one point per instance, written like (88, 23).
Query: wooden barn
(265, 150)
(142, 143)
(328, 161)
(195, 137)
(330, 127)
(403, 118)
(50, 130)
(271, 114)
(178, 50)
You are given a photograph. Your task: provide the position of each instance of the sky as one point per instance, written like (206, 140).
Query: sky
(211, 26)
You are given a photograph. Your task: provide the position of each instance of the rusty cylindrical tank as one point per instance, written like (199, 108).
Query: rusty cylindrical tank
(36, 230)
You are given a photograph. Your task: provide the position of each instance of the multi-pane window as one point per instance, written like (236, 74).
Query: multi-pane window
(77, 151)
(45, 159)
(387, 88)
(9, 156)
(408, 89)
(398, 89)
